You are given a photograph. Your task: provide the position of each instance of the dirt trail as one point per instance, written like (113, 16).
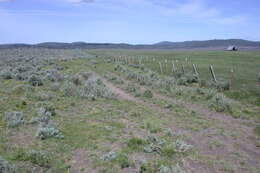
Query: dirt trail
(121, 94)
(200, 140)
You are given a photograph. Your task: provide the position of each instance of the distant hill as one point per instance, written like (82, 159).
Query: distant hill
(208, 44)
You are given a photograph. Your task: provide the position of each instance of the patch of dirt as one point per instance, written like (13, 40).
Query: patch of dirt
(81, 162)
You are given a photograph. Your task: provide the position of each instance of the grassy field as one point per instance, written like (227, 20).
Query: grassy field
(245, 65)
(77, 111)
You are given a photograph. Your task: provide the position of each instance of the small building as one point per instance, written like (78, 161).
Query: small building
(232, 48)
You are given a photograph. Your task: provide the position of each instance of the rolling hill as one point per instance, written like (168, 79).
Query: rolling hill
(208, 44)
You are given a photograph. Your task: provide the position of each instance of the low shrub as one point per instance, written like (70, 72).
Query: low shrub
(47, 110)
(152, 126)
(94, 88)
(181, 147)
(135, 144)
(6, 167)
(123, 161)
(220, 85)
(109, 156)
(130, 88)
(14, 119)
(171, 169)
(158, 167)
(6, 74)
(186, 79)
(35, 80)
(36, 157)
(44, 114)
(148, 94)
(45, 131)
(220, 103)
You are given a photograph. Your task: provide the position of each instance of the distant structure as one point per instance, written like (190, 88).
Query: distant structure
(232, 48)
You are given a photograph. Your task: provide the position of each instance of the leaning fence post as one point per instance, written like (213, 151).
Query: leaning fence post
(183, 70)
(212, 73)
(161, 67)
(195, 69)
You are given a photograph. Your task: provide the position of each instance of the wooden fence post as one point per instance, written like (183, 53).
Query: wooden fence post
(195, 69)
(173, 67)
(183, 70)
(212, 73)
(161, 67)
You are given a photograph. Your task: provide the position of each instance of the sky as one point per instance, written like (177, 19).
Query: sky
(127, 21)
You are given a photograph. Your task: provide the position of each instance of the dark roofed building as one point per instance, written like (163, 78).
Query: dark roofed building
(232, 48)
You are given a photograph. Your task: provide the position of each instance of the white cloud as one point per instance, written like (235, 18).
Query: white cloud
(79, 1)
(198, 11)
(6, 0)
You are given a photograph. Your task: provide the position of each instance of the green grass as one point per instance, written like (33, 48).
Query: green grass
(245, 65)
(125, 127)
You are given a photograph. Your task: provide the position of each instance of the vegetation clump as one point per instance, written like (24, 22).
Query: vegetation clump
(220, 85)
(45, 131)
(181, 147)
(14, 119)
(94, 88)
(171, 169)
(220, 103)
(6, 74)
(109, 156)
(188, 78)
(36, 157)
(148, 94)
(135, 143)
(159, 167)
(6, 167)
(44, 114)
(35, 80)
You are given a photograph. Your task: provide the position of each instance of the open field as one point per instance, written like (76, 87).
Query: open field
(245, 65)
(88, 111)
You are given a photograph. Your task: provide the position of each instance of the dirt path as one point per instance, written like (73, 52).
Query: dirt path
(242, 144)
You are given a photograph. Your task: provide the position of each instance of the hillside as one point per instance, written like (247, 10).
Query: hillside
(208, 44)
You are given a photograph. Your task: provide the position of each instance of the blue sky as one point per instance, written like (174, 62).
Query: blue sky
(128, 21)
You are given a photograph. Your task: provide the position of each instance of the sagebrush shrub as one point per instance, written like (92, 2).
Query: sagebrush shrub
(48, 131)
(171, 169)
(6, 74)
(35, 80)
(21, 76)
(109, 156)
(93, 88)
(6, 167)
(44, 114)
(37, 157)
(14, 119)
(220, 85)
(148, 94)
(181, 146)
(220, 103)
